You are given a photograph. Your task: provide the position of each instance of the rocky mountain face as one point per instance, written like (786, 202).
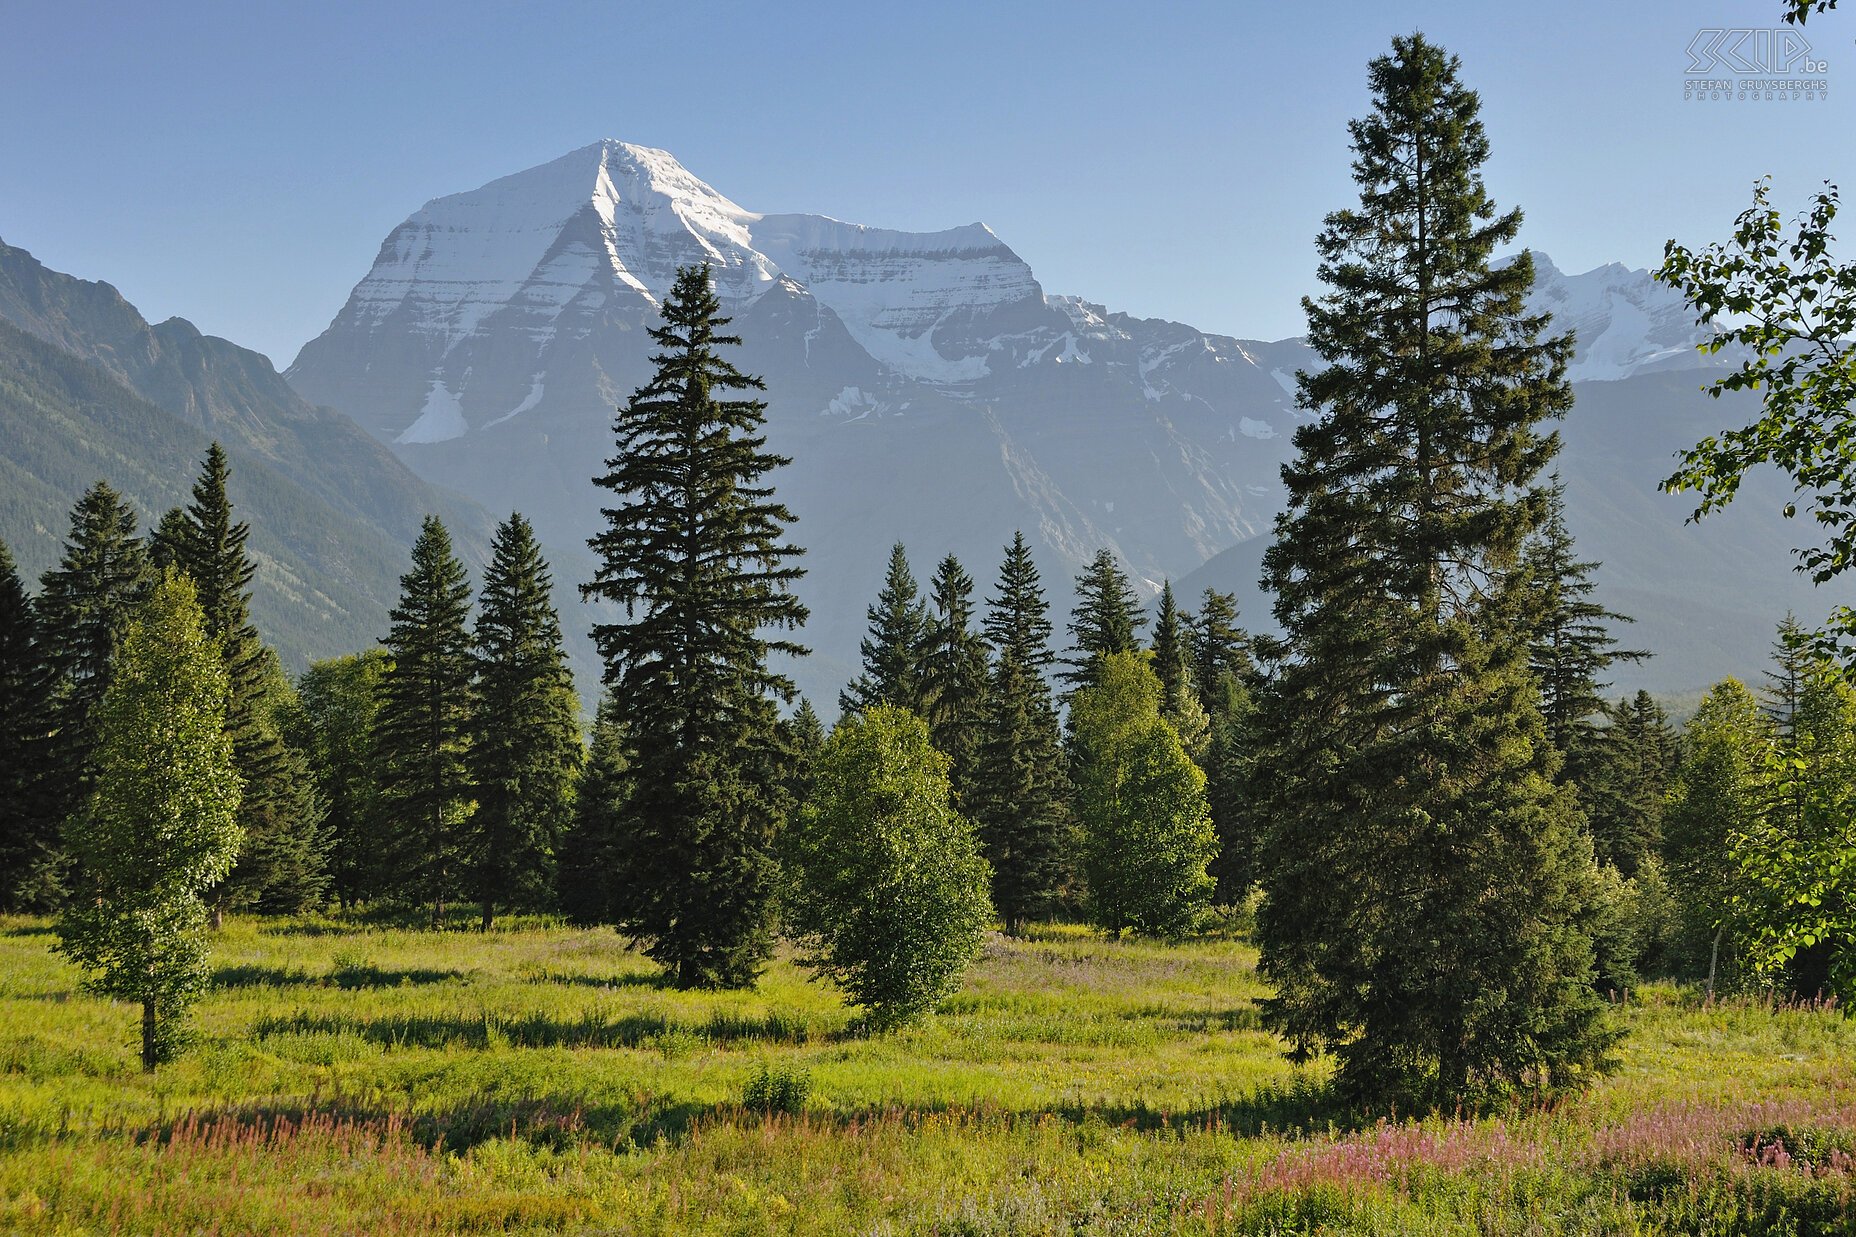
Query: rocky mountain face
(926, 385)
(90, 390)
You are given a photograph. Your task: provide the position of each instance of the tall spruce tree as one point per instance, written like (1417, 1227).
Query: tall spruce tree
(278, 820)
(29, 840)
(695, 552)
(953, 677)
(422, 729)
(892, 652)
(1420, 857)
(1172, 664)
(525, 747)
(1219, 647)
(83, 606)
(1572, 644)
(1793, 662)
(1108, 617)
(1019, 797)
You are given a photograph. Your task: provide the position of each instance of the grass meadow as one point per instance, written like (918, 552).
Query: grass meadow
(351, 1077)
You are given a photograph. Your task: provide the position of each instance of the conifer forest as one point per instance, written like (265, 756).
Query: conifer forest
(1380, 908)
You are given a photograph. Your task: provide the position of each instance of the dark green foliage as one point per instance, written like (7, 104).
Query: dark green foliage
(163, 824)
(1219, 647)
(332, 724)
(29, 828)
(954, 674)
(888, 890)
(525, 746)
(283, 862)
(1140, 806)
(805, 738)
(422, 729)
(278, 818)
(694, 551)
(590, 856)
(1020, 791)
(1180, 700)
(84, 603)
(1107, 617)
(1228, 771)
(1426, 882)
(1572, 644)
(1627, 773)
(892, 652)
(1793, 663)
(167, 539)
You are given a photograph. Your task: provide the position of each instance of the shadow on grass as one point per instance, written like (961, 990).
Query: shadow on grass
(554, 1122)
(252, 975)
(564, 1124)
(591, 1030)
(631, 979)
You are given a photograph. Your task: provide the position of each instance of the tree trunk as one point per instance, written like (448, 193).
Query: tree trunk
(219, 914)
(1714, 958)
(148, 1034)
(489, 909)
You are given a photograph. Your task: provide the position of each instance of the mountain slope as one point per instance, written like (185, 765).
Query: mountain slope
(1706, 596)
(89, 390)
(927, 387)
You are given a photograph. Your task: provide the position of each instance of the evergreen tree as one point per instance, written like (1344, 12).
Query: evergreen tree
(1793, 661)
(1219, 647)
(84, 603)
(1107, 617)
(422, 729)
(1179, 695)
(525, 747)
(591, 851)
(163, 824)
(283, 862)
(805, 739)
(892, 652)
(887, 889)
(695, 552)
(167, 539)
(1020, 789)
(29, 828)
(1228, 771)
(954, 673)
(1627, 783)
(1140, 804)
(278, 821)
(332, 724)
(1572, 644)
(1420, 857)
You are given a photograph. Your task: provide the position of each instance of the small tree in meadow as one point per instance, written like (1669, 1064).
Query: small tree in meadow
(162, 825)
(1147, 833)
(889, 886)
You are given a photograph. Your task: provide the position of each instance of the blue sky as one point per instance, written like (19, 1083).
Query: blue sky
(239, 164)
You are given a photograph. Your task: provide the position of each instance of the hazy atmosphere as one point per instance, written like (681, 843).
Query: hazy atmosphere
(990, 619)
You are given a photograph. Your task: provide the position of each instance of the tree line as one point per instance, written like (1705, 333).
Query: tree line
(1453, 844)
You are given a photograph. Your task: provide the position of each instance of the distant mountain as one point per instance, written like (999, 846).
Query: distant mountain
(89, 390)
(929, 390)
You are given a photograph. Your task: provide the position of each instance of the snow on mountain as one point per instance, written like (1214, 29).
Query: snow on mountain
(925, 385)
(1624, 322)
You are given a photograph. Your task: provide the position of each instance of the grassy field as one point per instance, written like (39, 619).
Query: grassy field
(351, 1078)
